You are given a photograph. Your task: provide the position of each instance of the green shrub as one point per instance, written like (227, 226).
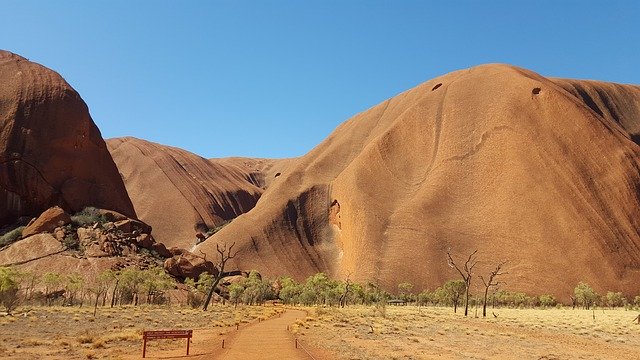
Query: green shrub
(11, 236)
(88, 216)
(71, 242)
(547, 301)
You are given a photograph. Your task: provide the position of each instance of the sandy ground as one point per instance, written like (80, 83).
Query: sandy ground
(268, 332)
(266, 340)
(116, 333)
(437, 333)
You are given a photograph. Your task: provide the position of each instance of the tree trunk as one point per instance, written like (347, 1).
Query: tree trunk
(95, 306)
(210, 294)
(484, 304)
(466, 301)
(113, 294)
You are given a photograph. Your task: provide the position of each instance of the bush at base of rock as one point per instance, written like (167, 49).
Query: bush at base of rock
(88, 216)
(11, 236)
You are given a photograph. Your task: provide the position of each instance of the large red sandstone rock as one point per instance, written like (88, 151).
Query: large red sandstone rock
(51, 152)
(541, 172)
(188, 265)
(48, 221)
(181, 194)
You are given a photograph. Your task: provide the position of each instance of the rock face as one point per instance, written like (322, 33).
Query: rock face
(181, 194)
(541, 172)
(51, 152)
(47, 221)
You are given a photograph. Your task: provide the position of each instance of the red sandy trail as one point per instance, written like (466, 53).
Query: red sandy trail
(266, 340)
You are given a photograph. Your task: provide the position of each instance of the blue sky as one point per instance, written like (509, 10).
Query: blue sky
(274, 78)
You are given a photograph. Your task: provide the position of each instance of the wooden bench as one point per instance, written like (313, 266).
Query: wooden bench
(165, 334)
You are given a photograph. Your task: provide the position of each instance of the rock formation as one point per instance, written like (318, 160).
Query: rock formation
(541, 172)
(48, 221)
(181, 194)
(51, 152)
(185, 264)
(79, 241)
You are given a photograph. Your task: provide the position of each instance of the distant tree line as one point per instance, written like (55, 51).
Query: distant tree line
(132, 286)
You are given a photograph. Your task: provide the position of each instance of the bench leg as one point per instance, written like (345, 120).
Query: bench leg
(188, 341)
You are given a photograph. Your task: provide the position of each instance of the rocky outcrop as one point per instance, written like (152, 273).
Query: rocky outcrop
(51, 152)
(181, 194)
(541, 172)
(48, 221)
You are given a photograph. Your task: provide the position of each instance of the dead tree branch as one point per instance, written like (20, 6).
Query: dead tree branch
(465, 273)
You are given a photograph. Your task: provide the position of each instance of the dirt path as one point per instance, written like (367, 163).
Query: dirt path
(268, 339)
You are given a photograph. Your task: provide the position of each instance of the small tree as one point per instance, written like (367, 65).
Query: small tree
(489, 282)
(224, 254)
(465, 273)
(256, 290)
(615, 299)
(9, 288)
(236, 292)
(30, 281)
(345, 294)
(547, 300)
(52, 282)
(156, 280)
(98, 288)
(290, 290)
(131, 280)
(405, 291)
(198, 289)
(452, 290)
(585, 295)
(73, 284)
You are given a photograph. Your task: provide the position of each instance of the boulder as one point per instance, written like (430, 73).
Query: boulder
(145, 241)
(112, 216)
(161, 250)
(130, 226)
(87, 236)
(188, 265)
(95, 250)
(48, 221)
(59, 233)
(175, 251)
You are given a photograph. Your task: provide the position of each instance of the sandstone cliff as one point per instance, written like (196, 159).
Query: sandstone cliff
(541, 172)
(180, 194)
(51, 152)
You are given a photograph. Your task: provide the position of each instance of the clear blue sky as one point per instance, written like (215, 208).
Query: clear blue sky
(274, 78)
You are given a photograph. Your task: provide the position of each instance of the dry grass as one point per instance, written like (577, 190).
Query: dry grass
(74, 333)
(429, 332)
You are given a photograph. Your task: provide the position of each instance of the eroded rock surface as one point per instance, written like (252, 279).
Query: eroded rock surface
(541, 172)
(51, 152)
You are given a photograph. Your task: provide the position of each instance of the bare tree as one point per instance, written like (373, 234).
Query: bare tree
(465, 273)
(489, 283)
(345, 294)
(224, 254)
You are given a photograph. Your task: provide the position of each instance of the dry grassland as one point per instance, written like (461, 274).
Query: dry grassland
(115, 333)
(437, 333)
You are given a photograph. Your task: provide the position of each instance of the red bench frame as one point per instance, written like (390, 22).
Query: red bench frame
(165, 334)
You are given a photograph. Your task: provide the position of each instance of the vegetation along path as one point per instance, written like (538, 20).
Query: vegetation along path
(265, 340)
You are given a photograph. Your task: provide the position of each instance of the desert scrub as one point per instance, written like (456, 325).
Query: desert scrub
(88, 216)
(11, 236)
